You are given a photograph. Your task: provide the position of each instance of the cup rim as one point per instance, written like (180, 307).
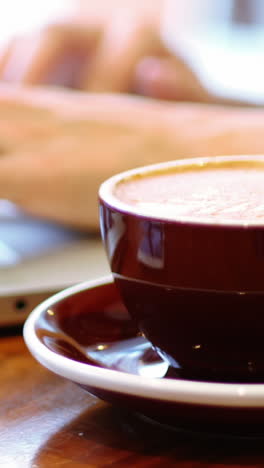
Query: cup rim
(107, 196)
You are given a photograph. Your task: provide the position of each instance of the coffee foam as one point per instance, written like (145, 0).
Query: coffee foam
(230, 192)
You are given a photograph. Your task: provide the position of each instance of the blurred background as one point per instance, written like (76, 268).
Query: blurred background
(223, 40)
(113, 46)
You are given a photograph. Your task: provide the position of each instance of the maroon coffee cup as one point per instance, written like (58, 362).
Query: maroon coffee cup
(194, 286)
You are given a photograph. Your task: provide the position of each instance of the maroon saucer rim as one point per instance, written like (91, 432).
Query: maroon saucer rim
(169, 390)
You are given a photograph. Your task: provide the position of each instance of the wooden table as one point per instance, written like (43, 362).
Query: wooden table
(46, 421)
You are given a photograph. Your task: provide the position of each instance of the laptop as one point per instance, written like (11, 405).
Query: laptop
(38, 259)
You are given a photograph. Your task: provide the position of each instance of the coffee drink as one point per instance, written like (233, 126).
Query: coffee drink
(223, 192)
(185, 242)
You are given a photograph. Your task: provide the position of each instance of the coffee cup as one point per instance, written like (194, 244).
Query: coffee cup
(185, 242)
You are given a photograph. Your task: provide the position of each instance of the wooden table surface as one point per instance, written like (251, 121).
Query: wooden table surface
(46, 421)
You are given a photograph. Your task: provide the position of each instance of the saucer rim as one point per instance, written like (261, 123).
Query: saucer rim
(178, 391)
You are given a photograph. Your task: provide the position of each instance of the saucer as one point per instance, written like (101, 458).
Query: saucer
(85, 334)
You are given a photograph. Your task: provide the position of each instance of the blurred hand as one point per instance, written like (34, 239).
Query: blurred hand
(104, 47)
(57, 146)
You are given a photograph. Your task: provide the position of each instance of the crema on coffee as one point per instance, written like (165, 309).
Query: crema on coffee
(231, 191)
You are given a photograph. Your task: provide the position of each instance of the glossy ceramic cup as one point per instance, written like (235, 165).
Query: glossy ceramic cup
(194, 287)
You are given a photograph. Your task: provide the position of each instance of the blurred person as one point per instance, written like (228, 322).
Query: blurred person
(125, 46)
(105, 46)
(58, 145)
